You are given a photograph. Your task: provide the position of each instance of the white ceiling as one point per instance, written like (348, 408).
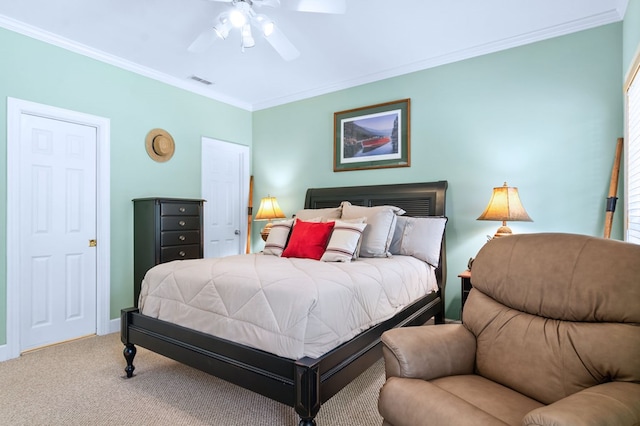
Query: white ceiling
(375, 39)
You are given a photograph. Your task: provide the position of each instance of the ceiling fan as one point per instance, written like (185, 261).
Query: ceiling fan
(243, 17)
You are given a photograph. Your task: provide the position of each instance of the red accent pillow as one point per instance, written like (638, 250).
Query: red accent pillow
(308, 239)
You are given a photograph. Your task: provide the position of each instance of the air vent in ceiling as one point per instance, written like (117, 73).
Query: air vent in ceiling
(200, 80)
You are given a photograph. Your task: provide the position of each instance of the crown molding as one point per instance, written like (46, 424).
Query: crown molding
(611, 16)
(79, 48)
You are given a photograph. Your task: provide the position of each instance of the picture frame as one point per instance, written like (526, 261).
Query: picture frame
(372, 137)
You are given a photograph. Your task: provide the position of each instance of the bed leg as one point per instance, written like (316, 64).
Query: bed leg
(129, 353)
(307, 386)
(439, 317)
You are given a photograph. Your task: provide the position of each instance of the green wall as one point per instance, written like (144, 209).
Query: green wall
(543, 117)
(39, 72)
(630, 34)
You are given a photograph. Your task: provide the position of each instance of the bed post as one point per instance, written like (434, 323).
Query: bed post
(441, 276)
(129, 351)
(307, 390)
(441, 270)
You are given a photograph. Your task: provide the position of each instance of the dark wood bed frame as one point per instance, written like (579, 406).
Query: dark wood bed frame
(304, 383)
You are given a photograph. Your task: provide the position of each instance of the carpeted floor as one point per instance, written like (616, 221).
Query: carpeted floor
(83, 383)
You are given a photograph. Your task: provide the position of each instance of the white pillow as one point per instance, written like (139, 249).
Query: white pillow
(278, 236)
(381, 221)
(344, 242)
(325, 214)
(420, 237)
(394, 247)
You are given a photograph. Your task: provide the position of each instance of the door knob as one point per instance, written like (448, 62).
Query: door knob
(237, 232)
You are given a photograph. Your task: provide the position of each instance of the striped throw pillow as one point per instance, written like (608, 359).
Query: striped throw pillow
(344, 242)
(278, 236)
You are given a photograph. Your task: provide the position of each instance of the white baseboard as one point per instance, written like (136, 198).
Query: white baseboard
(114, 326)
(4, 353)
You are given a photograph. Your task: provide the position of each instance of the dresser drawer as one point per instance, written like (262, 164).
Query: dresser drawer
(175, 238)
(178, 209)
(168, 254)
(176, 223)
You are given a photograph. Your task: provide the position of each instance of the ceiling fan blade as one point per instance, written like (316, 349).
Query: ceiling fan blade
(203, 41)
(282, 45)
(319, 6)
(270, 3)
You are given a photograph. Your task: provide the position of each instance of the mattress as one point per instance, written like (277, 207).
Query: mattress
(290, 307)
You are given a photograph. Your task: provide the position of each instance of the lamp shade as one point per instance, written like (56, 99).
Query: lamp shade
(505, 205)
(269, 209)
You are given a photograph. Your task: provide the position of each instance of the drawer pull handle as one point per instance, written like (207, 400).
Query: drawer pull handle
(182, 223)
(182, 210)
(182, 238)
(182, 253)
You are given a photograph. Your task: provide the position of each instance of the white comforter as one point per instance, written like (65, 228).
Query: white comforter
(287, 306)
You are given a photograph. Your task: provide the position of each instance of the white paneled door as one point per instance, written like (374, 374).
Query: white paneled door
(225, 187)
(58, 230)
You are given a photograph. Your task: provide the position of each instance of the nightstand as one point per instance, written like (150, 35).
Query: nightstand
(465, 281)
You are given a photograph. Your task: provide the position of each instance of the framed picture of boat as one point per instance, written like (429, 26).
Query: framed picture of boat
(372, 137)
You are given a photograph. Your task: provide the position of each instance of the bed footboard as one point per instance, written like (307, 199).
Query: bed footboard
(303, 384)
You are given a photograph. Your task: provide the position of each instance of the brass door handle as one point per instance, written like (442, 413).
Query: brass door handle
(93, 243)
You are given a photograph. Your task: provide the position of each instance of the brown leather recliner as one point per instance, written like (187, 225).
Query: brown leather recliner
(550, 336)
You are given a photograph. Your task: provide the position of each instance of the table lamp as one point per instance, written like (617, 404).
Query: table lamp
(505, 206)
(269, 209)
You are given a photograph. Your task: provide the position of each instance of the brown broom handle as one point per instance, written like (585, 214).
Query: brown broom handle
(613, 190)
(250, 215)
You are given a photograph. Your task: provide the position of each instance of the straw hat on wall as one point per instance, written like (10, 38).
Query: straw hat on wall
(160, 145)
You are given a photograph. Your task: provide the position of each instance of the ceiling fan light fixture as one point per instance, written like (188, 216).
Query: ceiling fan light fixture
(242, 16)
(221, 31)
(238, 18)
(247, 38)
(267, 28)
(265, 24)
(223, 26)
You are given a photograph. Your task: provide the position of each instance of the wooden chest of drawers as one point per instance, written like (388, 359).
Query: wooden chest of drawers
(164, 229)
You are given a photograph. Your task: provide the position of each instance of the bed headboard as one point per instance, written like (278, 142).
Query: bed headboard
(417, 199)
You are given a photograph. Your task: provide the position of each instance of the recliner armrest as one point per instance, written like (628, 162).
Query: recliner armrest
(428, 352)
(613, 403)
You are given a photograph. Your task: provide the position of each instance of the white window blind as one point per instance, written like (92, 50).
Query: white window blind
(632, 195)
